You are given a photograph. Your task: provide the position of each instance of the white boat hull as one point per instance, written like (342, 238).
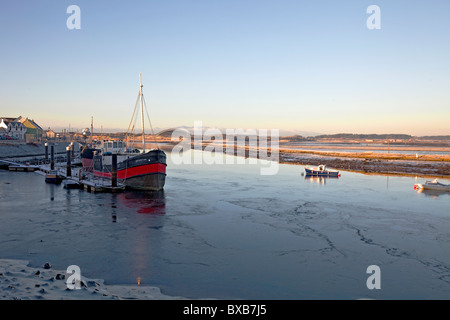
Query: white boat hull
(433, 185)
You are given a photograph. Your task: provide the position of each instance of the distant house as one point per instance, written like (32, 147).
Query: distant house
(3, 133)
(11, 128)
(34, 131)
(50, 134)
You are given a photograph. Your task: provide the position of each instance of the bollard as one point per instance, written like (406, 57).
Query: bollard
(72, 152)
(69, 168)
(52, 162)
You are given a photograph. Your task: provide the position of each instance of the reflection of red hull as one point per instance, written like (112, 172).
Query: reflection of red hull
(146, 202)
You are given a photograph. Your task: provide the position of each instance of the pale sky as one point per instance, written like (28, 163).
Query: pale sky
(288, 64)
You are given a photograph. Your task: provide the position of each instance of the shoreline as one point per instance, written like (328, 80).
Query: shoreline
(426, 165)
(19, 281)
(381, 167)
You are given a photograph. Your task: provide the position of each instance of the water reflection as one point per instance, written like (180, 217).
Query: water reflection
(319, 179)
(150, 207)
(433, 193)
(146, 202)
(114, 207)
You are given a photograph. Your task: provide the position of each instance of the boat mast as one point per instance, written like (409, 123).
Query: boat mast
(142, 113)
(92, 128)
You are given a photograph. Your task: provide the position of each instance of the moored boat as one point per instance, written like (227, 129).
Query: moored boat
(321, 170)
(142, 170)
(87, 157)
(53, 177)
(432, 185)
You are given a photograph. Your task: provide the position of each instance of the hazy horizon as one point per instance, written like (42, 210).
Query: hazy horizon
(285, 132)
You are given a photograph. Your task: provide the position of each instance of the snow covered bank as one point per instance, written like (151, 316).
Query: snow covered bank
(18, 281)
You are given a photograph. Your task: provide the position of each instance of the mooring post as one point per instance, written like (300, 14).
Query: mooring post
(52, 162)
(72, 152)
(46, 152)
(114, 171)
(69, 163)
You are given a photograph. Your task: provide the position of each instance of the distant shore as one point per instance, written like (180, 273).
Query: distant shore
(427, 165)
(398, 164)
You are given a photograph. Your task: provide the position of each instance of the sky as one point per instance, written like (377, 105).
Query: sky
(305, 66)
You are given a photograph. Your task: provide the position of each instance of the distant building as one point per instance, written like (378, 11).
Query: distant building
(12, 128)
(50, 134)
(3, 133)
(34, 131)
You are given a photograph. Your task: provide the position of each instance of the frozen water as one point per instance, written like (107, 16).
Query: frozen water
(225, 231)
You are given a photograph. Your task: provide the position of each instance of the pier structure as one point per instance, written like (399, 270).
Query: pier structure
(80, 179)
(71, 177)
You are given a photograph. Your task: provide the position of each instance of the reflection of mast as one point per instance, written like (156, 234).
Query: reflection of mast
(146, 239)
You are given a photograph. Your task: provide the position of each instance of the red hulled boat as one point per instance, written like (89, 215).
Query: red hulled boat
(142, 170)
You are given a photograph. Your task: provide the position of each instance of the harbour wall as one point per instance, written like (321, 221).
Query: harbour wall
(14, 150)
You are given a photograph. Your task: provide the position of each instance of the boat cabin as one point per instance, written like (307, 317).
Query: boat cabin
(112, 146)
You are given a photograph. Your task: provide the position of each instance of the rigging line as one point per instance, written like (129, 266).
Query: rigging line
(136, 116)
(131, 120)
(134, 111)
(148, 118)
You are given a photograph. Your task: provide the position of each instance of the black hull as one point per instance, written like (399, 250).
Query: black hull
(149, 182)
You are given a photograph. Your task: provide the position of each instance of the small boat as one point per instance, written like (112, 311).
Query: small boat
(69, 184)
(432, 185)
(321, 170)
(53, 177)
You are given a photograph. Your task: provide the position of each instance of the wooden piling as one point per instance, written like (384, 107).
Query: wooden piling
(52, 163)
(114, 171)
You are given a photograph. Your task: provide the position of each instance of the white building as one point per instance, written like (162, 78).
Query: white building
(12, 129)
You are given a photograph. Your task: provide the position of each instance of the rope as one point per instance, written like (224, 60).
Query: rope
(148, 118)
(131, 121)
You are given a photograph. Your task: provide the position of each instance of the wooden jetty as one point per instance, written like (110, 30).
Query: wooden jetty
(89, 183)
(14, 166)
(71, 177)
